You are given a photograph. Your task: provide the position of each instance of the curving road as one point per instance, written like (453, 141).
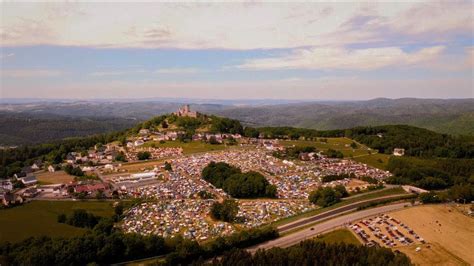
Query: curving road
(295, 238)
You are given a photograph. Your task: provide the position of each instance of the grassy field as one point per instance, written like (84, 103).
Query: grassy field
(377, 160)
(54, 178)
(188, 147)
(340, 144)
(39, 218)
(449, 234)
(338, 236)
(387, 192)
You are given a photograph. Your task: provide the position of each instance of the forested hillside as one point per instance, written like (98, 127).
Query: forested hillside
(20, 129)
(444, 116)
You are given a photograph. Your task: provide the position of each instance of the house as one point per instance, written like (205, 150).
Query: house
(171, 135)
(51, 169)
(88, 169)
(37, 165)
(144, 132)
(70, 158)
(398, 152)
(139, 142)
(19, 176)
(29, 180)
(89, 188)
(27, 169)
(10, 199)
(6, 185)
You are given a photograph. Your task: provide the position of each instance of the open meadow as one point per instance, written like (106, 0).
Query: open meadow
(38, 218)
(449, 234)
(338, 144)
(188, 147)
(377, 160)
(54, 178)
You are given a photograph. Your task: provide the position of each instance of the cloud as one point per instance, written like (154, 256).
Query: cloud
(4, 56)
(177, 71)
(116, 73)
(340, 58)
(30, 73)
(231, 25)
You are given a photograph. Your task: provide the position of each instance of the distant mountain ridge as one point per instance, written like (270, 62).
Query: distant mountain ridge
(453, 116)
(445, 116)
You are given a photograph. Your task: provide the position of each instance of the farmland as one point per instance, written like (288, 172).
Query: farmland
(448, 232)
(39, 218)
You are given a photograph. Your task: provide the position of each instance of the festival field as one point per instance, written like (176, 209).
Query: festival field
(449, 232)
(54, 178)
(39, 218)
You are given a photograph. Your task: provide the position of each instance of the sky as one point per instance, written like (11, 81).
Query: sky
(247, 50)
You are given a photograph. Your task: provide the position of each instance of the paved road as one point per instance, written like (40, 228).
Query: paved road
(386, 187)
(332, 213)
(295, 238)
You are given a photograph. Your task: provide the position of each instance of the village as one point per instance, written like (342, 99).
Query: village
(177, 199)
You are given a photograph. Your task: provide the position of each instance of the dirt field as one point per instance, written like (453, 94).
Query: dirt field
(449, 233)
(54, 178)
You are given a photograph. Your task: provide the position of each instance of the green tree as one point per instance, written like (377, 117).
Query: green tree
(325, 196)
(168, 166)
(225, 211)
(143, 155)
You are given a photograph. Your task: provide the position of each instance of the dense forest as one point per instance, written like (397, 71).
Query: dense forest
(236, 183)
(435, 174)
(21, 129)
(416, 141)
(313, 253)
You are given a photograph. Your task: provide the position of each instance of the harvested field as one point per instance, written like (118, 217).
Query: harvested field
(431, 254)
(442, 226)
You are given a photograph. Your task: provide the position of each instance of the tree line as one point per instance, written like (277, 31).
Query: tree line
(430, 174)
(105, 244)
(310, 252)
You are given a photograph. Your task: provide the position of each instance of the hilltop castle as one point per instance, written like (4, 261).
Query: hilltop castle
(186, 111)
